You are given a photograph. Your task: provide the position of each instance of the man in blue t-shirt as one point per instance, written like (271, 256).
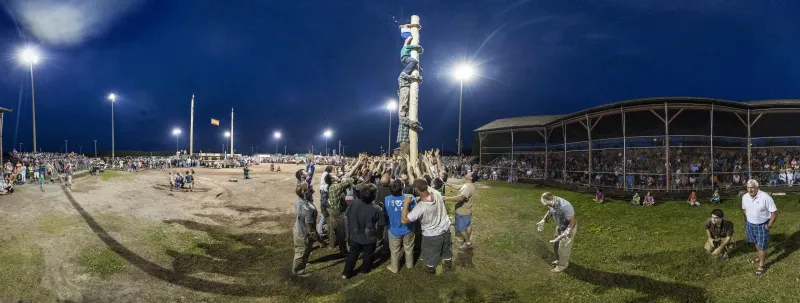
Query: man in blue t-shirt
(400, 235)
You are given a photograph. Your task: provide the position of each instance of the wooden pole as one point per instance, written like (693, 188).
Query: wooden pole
(191, 130)
(413, 100)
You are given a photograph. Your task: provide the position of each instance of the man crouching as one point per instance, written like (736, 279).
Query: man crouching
(719, 234)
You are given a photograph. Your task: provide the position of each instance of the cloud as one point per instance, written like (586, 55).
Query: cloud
(70, 22)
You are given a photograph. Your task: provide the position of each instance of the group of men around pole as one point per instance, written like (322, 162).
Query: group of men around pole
(356, 226)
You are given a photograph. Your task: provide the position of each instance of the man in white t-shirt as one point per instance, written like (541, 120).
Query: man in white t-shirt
(432, 214)
(759, 215)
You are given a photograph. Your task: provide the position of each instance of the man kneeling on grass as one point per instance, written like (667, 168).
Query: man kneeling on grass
(719, 234)
(435, 224)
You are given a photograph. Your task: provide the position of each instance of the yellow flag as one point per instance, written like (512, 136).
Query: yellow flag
(214, 122)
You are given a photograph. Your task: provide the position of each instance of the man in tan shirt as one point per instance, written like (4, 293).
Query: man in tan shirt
(464, 202)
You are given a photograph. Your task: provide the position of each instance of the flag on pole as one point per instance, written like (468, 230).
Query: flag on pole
(214, 122)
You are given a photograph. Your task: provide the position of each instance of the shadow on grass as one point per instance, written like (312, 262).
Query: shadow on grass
(261, 247)
(654, 290)
(785, 246)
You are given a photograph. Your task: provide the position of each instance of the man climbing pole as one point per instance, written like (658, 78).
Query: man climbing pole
(404, 81)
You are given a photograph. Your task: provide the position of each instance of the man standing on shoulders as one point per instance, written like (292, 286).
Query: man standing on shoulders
(759, 216)
(464, 203)
(566, 227)
(431, 211)
(719, 234)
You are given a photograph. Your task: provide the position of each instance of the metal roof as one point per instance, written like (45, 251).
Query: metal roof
(537, 121)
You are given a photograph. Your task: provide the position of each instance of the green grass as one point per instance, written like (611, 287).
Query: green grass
(622, 253)
(100, 261)
(21, 270)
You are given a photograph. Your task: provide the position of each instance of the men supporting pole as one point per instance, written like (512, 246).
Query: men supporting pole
(191, 130)
(414, 100)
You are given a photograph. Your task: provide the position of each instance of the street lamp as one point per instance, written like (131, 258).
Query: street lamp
(462, 73)
(227, 135)
(277, 136)
(327, 135)
(30, 56)
(113, 98)
(176, 132)
(391, 105)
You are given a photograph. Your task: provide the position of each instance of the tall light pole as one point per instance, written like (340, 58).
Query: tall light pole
(176, 132)
(31, 57)
(391, 105)
(463, 72)
(277, 136)
(227, 135)
(65, 147)
(95, 148)
(80, 149)
(113, 99)
(328, 133)
(20, 147)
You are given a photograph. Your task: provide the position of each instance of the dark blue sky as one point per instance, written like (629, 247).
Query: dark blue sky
(302, 66)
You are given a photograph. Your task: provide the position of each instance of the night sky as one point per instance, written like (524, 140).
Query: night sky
(302, 66)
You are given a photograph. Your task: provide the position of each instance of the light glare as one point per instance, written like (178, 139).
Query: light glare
(464, 72)
(277, 135)
(176, 131)
(29, 55)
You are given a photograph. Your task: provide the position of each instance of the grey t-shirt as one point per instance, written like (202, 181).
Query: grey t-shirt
(305, 212)
(561, 212)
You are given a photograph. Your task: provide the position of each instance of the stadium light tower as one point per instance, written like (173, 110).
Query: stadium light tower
(30, 56)
(176, 132)
(113, 99)
(328, 133)
(390, 106)
(277, 136)
(463, 73)
(227, 135)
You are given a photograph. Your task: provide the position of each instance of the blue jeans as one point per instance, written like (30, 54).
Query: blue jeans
(410, 64)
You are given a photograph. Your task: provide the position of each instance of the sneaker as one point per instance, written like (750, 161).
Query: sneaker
(554, 263)
(468, 245)
(344, 277)
(448, 264)
(430, 270)
(389, 268)
(558, 269)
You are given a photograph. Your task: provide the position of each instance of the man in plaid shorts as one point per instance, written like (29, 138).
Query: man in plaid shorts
(759, 216)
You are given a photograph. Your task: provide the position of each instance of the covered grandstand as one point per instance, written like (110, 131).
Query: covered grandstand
(660, 144)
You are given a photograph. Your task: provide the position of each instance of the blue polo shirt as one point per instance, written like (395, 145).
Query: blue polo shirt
(394, 209)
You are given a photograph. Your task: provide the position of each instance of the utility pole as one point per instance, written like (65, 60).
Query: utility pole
(95, 148)
(231, 132)
(191, 130)
(284, 149)
(340, 148)
(413, 99)
(65, 147)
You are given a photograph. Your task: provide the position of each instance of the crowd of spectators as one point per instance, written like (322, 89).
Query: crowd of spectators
(644, 168)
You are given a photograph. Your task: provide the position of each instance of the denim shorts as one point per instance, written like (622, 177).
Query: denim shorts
(462, 222)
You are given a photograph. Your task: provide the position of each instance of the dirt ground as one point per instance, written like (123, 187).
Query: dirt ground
(115, 211)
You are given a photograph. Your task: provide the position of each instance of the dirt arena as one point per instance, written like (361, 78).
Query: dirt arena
(136, 216)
